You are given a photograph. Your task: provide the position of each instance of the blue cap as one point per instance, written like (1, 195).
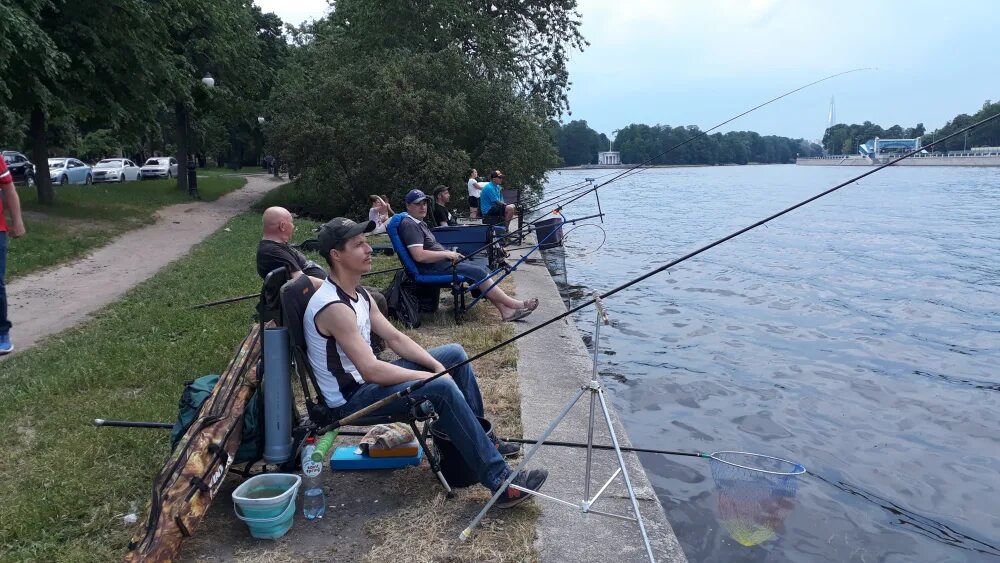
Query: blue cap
(415, 196)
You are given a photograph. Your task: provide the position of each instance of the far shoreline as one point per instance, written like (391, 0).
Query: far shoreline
(628, 166)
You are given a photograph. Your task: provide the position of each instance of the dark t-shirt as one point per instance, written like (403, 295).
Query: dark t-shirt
(442, 215)
(416, 233)
(272, 255)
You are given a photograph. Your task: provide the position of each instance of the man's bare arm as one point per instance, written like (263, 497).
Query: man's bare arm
(339, 321)
(12, 204)
(401, 344)
(424, 256)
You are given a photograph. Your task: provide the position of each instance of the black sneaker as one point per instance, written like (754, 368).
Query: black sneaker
(529, 480)
(507, 449)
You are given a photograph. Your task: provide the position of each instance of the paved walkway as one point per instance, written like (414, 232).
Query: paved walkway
(50, 301)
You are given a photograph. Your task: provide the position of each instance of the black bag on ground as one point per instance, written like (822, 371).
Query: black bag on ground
(194, 396)
(403, 304)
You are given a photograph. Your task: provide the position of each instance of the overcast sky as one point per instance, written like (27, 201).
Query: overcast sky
(701, 62)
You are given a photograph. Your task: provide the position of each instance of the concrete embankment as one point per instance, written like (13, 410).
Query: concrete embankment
(912, 161)
(553, 364)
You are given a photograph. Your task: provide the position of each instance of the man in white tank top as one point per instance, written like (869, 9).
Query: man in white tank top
(338, 324)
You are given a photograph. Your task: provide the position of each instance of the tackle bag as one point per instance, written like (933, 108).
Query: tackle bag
(193, 397)
(403, 304)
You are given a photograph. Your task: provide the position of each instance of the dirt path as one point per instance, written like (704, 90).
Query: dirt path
(50, 301)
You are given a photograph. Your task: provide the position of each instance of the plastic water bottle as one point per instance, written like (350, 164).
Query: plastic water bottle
(313, 498)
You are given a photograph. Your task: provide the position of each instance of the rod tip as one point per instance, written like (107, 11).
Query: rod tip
(98, 422)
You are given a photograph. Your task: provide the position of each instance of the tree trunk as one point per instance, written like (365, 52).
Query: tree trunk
(40, 156)
(182, 116)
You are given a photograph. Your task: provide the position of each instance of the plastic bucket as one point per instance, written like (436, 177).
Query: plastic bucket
(267, 504)
(549, 233)
(453, 466)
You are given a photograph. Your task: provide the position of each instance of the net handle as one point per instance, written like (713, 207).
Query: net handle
(797, 468)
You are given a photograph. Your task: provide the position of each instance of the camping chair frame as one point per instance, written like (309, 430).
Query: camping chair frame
(284, 301)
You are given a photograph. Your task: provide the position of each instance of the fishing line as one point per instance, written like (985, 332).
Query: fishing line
(707, 131)
(409, 390)
(257, 295)
(604, 239)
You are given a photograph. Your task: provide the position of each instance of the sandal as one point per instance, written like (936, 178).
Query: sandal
(516, 316)
(530, 304)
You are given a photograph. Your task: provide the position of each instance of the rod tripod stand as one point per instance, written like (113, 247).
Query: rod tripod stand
(597, 394)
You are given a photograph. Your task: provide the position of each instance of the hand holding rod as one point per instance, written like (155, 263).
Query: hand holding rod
(416, 386)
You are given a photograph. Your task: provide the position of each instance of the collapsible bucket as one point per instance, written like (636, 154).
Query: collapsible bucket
(549, 231)
(453, 466)
(267, 504)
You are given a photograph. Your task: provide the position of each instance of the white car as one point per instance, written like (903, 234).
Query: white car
(159, 167)
(115, 170)
(69, 171)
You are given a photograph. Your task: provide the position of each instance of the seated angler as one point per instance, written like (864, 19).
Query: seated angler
(339, 322)
(442, 216)
(275, 251)
(491, 203)
(432, 258)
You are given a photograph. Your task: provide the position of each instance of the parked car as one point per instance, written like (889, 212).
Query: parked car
(69, 171)
(115, 170)
(20, 168)
(159, 167)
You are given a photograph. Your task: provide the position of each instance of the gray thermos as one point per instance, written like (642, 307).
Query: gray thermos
(277, 397)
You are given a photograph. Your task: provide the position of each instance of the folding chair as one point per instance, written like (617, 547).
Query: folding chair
(457, 283)
(294, 297)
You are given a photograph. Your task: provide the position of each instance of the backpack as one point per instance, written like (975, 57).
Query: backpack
(403, 304)
(195, 394)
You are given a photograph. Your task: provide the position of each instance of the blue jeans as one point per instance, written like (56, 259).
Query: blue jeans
(476, 269)
(457, 401)
(4, 322)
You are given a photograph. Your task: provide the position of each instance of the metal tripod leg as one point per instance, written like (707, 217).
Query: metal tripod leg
(467, 532)
(628, 482)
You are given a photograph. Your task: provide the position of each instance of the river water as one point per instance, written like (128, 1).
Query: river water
(859, 336)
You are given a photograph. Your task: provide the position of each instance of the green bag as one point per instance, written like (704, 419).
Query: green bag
(194, 396)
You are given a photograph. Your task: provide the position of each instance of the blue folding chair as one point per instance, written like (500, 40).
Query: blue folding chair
(459, 284)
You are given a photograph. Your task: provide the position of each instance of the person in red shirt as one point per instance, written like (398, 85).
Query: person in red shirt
(10, 202)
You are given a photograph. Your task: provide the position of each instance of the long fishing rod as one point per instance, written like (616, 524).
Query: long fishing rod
(257, 295)
(698, 136)
(416, 386)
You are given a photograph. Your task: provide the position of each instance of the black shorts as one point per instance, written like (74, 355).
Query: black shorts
(473, 202)
(498, 209)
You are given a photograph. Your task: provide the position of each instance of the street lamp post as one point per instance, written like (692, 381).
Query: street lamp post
(192, 162)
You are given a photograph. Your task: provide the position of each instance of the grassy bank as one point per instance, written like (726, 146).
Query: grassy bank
(65, 485)
(86, 217)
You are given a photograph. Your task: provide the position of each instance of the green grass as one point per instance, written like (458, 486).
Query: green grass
(64, 484)
(86, 217)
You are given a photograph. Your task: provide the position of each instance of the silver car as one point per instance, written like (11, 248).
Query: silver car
(159, 167)
(115, 170)
(69, 171)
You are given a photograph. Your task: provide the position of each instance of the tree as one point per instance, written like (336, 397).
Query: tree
(579, 144)
(386, 96)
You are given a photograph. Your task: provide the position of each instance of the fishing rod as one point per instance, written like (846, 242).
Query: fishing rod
(257, 295)
(416, 386)
(589, 187)
(698, 136)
